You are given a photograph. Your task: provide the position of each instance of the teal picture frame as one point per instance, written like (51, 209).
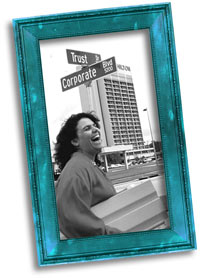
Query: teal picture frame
(157, 19)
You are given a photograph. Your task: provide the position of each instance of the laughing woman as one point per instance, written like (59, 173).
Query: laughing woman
(81, 184)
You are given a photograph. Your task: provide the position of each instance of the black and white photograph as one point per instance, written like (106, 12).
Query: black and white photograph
(104, 134)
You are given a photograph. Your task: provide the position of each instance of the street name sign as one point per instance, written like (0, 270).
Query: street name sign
(82, 58)
(90, 73)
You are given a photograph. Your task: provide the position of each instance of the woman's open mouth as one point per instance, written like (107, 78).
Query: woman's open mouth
(96, 138)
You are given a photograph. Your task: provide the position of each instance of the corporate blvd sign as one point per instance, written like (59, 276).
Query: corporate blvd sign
(88, 73)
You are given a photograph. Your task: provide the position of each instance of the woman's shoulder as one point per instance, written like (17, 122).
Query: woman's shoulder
(77, 164)
(76, 168)
(79, 161)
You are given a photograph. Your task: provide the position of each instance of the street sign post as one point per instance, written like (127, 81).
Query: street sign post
(82, 58)
(87, 74)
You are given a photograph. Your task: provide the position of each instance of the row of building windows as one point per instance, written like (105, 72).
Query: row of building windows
(131, 122)
(128, 132)
(114, 92)
(121, 120)
(117, 93)
(133, 140)
(122, 106)
(121, 102)
(116, 82)
(137, 137)
(123, 123)
(126, 96)
(124, 119)
(122, 109)
(128, 123)
(113, 100)
(125, 112)
(118, 89)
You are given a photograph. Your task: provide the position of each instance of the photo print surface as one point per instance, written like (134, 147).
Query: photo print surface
(110, 75)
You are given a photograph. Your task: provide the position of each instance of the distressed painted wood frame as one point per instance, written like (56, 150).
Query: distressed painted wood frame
(158, 20)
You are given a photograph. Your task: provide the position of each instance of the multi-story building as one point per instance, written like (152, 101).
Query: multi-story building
(113, 99)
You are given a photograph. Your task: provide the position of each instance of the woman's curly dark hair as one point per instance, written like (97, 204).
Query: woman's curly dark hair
(63, 146)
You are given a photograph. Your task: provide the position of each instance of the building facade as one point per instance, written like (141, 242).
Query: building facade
(113, 99)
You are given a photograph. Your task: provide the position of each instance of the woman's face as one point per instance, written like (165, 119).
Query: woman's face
(88, 137)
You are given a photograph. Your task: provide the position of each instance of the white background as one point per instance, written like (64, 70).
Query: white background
(18, 251)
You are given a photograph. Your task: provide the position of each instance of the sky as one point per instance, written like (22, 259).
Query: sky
(131, 48)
